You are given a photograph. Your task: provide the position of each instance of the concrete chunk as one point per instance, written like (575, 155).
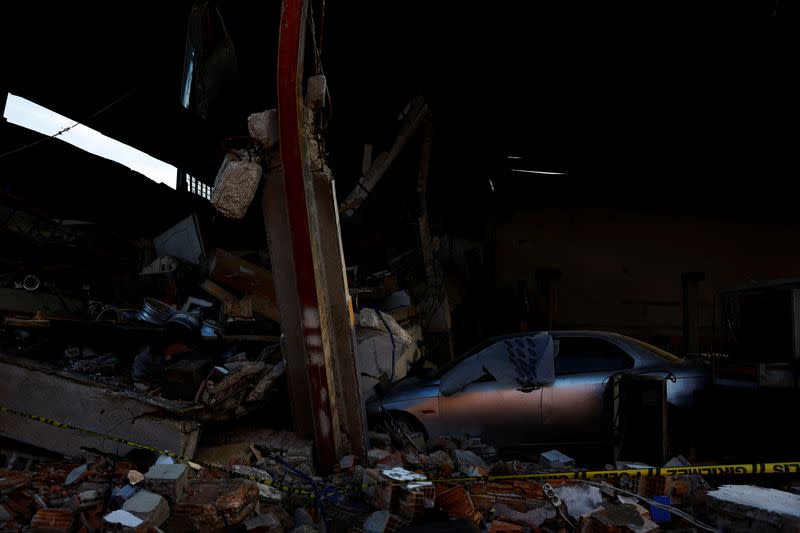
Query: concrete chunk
(168, 480)
(317, 89)
(264, 127)
(267, 523)
(76, 475)
(623, 518)
(554, 459)
(149, 507)
(123, 520)
(375, 455)
(235, 187)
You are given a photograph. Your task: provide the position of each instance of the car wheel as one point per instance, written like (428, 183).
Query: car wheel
(404, 430)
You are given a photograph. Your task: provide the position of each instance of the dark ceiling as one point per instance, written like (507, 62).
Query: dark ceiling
(664, 105)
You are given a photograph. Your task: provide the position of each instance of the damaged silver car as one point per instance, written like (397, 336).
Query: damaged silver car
(534, 388)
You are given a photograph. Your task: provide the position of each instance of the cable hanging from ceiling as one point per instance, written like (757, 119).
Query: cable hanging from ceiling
(65, 130)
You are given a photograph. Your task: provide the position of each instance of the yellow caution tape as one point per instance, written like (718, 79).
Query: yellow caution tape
(711, 470)
(288, 489)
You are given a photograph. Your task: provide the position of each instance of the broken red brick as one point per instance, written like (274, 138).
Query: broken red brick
(214, 505)
(457, 502)
(52, 521)
(498, 526)
(394, 460)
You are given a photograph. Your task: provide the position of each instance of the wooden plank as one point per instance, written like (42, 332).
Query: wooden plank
(279, 240)
(336, 317)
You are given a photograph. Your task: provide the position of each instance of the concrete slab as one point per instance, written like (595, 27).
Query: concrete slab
(42, 390)
(755, 508)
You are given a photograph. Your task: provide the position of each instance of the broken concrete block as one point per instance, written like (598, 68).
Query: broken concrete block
(315, 156)
(302, 517)
(467, 457)
(554, 459)
(748, 508)
(263, 523)
(394, 460)
(580, 499)
(374, 455)
(380, 522)
(618, 519)
(168, 480)
(304, 529)
(533, 518)
(347, 462)
(76, 475)
(280, 512)
(150, 507)
(264, 127)
(5, 516)
(120, 520)
(442, 460)
(468, 462)
(235, 187)
(316, 92)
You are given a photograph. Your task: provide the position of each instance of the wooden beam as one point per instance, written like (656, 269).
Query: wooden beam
(411, 123)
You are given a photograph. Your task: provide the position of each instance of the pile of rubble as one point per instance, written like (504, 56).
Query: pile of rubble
(270, 486)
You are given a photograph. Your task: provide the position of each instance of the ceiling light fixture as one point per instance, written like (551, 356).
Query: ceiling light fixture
(538, 172)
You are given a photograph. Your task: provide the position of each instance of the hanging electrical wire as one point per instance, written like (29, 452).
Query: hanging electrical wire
(318, 68)
(672, 510)
(65, 130)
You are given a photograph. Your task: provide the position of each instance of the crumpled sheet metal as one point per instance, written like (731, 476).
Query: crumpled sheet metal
(527, 360)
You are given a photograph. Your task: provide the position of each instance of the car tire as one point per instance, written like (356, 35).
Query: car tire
(400, 426)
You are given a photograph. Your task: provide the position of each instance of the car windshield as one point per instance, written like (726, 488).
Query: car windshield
(654, 350)
(442, 369)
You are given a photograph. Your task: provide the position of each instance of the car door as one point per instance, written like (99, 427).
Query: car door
(502, 414)
(573, 406)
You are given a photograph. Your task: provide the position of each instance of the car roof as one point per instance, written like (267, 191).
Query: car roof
(562, 333)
